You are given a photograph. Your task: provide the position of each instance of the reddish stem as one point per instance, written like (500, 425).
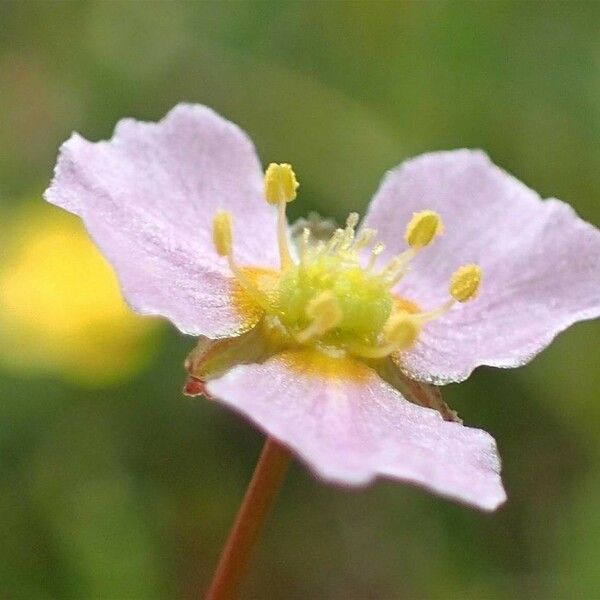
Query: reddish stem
(260, 496)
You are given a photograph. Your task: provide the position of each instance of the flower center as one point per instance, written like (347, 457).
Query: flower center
(331, 296)
(329, 292)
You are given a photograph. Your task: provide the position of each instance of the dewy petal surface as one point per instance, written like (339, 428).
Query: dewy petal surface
(350, 426)
(541, 262)
(148, 197)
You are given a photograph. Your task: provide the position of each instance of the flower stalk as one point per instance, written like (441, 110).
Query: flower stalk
(260, 496)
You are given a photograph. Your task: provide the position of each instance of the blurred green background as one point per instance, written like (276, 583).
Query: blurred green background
(114, 485)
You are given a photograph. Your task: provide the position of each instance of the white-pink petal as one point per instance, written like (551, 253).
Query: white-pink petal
(541, 262)
(349, 427)
(148, 197)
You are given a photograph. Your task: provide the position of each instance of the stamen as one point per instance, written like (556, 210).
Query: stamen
(348, 236)
(423, 228)
(319, 247)
(464, 286)
(304, 241)
(326, 314)
(377, 250)
(223, 241)
(402, 330)
(420, 232)
(334, 241)
(398, 266)
(465, 282)
(280, 188)
(364, 239)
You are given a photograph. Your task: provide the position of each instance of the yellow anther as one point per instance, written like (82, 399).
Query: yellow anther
(326, 314)
(280, 183)
(423, 227)
(222, 236)
(465, 282)
(402, 331)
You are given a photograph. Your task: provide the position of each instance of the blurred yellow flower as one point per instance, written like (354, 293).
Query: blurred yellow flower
(60, 307)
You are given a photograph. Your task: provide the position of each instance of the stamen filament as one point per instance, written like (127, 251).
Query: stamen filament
(241, 278)
(334, 241)
(304, 241)
(397, 267)
(284, 252)
(365, 238)
(319, 247)
(363, 351)
(431, 315)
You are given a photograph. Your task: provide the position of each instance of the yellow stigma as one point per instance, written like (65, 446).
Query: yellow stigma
(280, 183)
(402, 331)
(465, 283)
(325, 312)
(222, 236)
(422, 228)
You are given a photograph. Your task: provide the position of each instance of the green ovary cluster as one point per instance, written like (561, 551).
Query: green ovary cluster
(364, 299)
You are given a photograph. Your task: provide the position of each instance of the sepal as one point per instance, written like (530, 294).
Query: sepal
(212, 358)
(417, 392)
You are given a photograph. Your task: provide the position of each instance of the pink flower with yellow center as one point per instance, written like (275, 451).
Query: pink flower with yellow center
(334, 347)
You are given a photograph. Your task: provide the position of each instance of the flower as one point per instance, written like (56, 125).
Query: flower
(332, 347)
(60, 307)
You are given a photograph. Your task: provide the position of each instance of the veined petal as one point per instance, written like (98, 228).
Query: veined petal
(148, 197)
(350, 426)
(540, 262)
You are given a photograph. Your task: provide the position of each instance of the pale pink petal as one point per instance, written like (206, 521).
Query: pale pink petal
(541, 262)
(350, 426)
(148, 197)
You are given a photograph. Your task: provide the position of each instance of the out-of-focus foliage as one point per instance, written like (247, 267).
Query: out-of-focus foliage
(127, 491)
